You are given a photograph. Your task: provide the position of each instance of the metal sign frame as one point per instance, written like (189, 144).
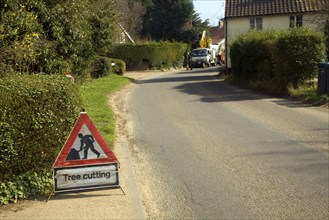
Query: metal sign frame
(73, 173)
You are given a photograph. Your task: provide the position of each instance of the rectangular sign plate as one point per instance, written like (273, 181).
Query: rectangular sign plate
(86, 177)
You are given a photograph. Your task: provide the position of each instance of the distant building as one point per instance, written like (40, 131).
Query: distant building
(218, 38)
(218, 32)
(242, 16)
(123, 36)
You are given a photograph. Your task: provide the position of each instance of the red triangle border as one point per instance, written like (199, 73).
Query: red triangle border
(61, 158)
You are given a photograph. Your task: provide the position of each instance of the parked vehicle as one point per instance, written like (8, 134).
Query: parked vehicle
(205, 54)
(201, 57)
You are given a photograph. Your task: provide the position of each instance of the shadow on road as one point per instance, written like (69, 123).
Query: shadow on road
(185, 76)
(206, 84)
(218, 91)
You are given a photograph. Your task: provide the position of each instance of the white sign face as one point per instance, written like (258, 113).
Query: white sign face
(87, 177)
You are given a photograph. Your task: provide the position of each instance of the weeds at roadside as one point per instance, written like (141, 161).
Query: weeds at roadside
(309, 95)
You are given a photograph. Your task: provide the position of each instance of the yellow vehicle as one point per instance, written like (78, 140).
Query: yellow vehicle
(204, 42)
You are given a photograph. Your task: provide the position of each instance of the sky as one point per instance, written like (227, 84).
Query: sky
(211, 9)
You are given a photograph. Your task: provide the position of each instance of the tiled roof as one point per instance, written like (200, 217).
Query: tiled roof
(243, 8)
(217, 34)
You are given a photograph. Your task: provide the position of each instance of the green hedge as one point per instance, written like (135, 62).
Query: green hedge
(274, 61)
(158, 54)
(103, 66)
(251, 54)
(298, 53)
(119, 67)
(25, 185)
(37, 113)
(54, 36)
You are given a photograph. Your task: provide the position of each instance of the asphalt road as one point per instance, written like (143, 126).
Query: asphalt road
(206, 149)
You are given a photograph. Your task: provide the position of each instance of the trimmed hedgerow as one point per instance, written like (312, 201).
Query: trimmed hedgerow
(37, 113)
(298, 53)
(159, 54)
(273, 61)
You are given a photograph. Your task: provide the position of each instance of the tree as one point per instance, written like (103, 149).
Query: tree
(102, 20)
(172, 20)
(21, 37)
(130, 15)
(165, 19)
(325, 17)
(192, 35)
(54, 36)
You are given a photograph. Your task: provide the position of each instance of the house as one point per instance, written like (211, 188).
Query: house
(242, 16)
(217, 32)
(123, 36)
(218, 39)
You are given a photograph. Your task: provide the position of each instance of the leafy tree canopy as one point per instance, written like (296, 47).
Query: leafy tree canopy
(173, 20)
(54, 36)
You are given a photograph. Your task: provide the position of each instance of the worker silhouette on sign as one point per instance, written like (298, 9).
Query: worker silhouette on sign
(86, 143)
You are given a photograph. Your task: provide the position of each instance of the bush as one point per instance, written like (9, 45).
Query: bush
(298, 52)
(104, 66)
(158, 54)
(119, 67)
(37, 113)
(100, 67)
(274, 60)
(24, 186)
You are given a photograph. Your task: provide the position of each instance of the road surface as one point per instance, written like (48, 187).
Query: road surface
(206, 149)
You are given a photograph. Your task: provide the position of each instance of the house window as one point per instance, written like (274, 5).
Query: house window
(296, 21)
(256, 23)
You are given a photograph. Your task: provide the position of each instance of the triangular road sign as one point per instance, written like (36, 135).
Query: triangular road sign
(84, 146)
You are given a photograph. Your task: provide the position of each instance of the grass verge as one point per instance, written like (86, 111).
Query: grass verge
(309, 95)
(95, 95)
(306, 94)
